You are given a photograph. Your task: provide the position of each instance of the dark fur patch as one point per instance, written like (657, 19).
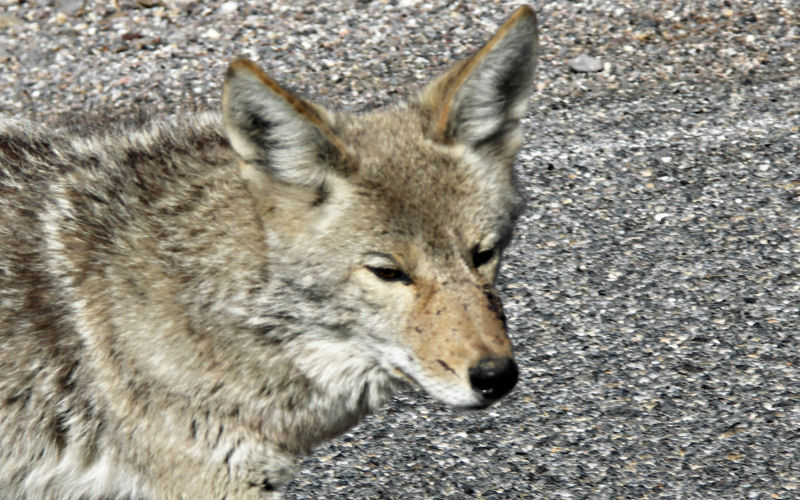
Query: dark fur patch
(60, 430)
(229, 455)
(21, 397)
(495, 306)
(445, 365)
(264, 485)
(322, 195)
(259, 130)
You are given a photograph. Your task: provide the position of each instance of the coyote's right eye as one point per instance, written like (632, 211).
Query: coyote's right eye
(390, 274)
(480, 258)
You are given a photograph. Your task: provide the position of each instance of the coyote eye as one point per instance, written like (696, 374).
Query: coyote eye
(389, 274)
(480, 258)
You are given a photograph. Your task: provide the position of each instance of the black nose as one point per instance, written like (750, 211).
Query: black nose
(494, 377)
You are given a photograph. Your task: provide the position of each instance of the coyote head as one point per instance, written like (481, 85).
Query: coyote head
(386, 228)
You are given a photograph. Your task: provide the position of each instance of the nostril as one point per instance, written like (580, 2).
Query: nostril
(494, 377)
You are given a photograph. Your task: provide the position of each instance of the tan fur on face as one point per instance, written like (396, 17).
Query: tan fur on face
(454, 326)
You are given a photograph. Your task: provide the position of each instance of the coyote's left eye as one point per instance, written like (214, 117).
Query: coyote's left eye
(390, 274)
(481, 257)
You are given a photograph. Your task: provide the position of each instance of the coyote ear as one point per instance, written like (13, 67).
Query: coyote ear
(480, 101)
(280, 133)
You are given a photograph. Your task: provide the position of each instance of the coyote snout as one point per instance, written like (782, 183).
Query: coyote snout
(461, 352)
(187, 308)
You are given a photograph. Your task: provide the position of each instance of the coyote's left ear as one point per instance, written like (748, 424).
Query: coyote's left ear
(480, 101)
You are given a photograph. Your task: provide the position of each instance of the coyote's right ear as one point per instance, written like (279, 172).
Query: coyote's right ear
(281, 134)
(480, 101)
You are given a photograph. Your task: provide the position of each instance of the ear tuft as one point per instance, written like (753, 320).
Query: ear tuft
(480, 101)
(280, 133)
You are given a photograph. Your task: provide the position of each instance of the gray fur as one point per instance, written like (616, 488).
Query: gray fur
(184, 311)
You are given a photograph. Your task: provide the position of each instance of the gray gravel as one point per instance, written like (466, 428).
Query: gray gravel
(653, 287)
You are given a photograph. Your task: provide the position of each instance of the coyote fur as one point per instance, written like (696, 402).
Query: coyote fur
(188, 306)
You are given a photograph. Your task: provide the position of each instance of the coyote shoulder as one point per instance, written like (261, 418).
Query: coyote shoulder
(188, 306)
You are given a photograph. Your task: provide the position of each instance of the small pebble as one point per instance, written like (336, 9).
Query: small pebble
(212, 34)
(68, 7)
(229, 8)
(585, 63)
(9, 21)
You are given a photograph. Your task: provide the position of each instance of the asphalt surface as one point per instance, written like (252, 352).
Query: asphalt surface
(653, 288)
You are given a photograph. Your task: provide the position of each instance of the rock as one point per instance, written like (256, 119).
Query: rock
(585, 64)
(229, 8)
(8, 21)
(69, 7)
(212, 34)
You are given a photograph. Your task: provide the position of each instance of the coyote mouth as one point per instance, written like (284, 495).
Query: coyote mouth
(479, 406)
(403, 375)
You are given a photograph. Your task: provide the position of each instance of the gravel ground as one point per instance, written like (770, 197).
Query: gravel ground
(653, 287)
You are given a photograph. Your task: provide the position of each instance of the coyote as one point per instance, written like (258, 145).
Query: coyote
(188, 306)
